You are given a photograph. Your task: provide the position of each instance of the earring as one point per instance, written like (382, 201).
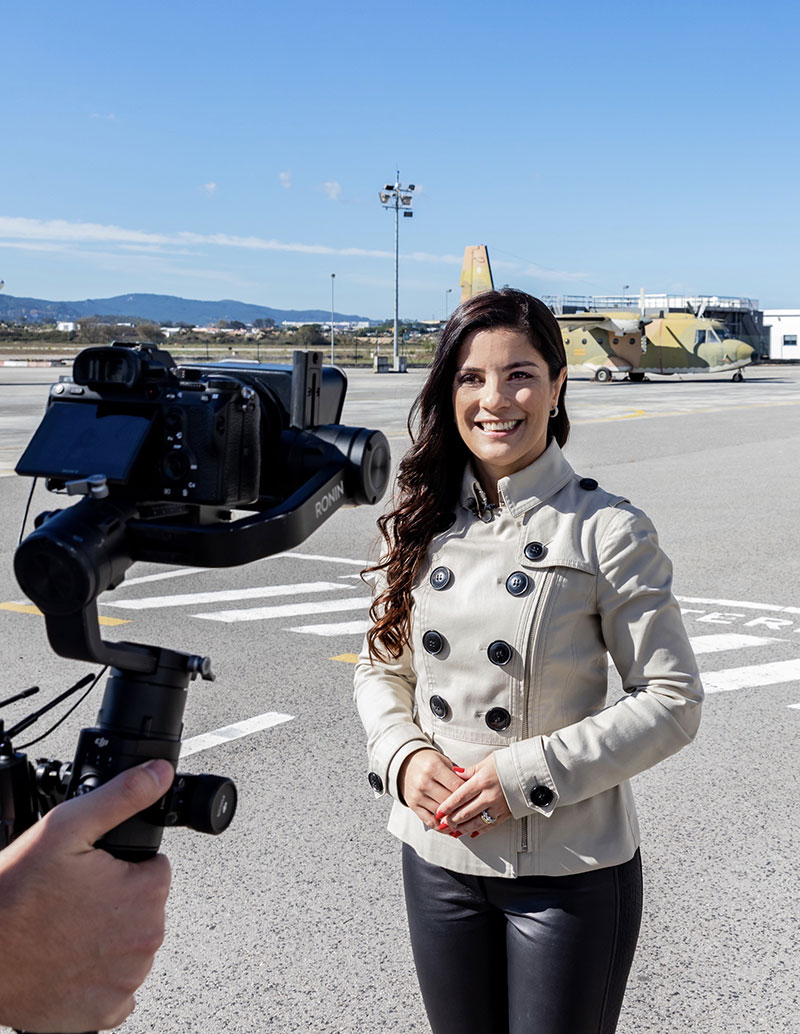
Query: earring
(554, 412)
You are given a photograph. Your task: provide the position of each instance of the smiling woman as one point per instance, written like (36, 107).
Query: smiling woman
(482, 685)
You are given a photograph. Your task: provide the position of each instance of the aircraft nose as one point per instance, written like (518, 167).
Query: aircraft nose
(744, 351)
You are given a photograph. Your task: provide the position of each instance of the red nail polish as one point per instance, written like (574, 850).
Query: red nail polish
(441, 826)
(439, 816)
(477, 833)
(457, 769)
(457, 835)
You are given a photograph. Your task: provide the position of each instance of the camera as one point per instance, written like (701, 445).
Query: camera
(209, 465)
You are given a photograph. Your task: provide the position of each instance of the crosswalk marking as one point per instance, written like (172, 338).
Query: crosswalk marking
(224, 595)
(288, 610)
(340, 628)
(739, 604)
(752, 676)
(232, 732)
(727, 641)
(179, 572)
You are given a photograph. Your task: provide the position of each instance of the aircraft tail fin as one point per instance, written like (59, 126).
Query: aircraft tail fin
(476, 273)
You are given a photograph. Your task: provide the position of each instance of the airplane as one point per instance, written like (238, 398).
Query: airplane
(623, 342)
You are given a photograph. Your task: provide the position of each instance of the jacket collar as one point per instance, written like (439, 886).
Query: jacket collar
(522, 491)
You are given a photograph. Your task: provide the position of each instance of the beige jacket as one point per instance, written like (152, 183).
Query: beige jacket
(513, 617)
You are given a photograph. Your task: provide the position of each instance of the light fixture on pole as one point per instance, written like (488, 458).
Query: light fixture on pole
(333, 277)
(446, 300)
(399, 198)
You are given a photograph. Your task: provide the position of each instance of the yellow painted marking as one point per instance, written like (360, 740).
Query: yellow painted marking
(28, 608)
(346, 658)
(641, 414)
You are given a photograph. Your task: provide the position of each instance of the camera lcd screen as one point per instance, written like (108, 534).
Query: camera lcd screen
(76, 439)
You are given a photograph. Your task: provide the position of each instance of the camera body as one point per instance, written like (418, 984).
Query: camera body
(156, 434)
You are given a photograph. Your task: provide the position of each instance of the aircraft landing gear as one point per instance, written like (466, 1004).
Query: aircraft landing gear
(636, 375)
(603, 375)
(738, 376)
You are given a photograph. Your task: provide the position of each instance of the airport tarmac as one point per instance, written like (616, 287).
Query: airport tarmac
(292, 920)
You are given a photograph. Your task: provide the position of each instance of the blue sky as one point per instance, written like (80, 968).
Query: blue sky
(235, 150)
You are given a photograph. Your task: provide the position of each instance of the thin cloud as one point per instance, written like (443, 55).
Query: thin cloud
(110, 117)
(332, 189)
(209, 188)
(286, 180)
(58, 234)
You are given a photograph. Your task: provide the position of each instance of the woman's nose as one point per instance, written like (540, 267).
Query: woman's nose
(493, 395)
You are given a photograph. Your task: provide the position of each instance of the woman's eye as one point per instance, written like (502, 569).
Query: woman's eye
(467, 378)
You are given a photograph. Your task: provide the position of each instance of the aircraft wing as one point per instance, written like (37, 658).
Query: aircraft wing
(598, 321)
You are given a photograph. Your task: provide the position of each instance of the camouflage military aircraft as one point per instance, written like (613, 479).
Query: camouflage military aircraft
(608, 343)
(623, 343)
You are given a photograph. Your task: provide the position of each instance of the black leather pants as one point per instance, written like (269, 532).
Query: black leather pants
(532, 955)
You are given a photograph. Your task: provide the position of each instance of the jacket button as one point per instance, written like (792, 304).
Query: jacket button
(375, 782)
(588, 484)
(535, 551)
(517, 583)
(439, 707)
(498, 719)
(441, 577)
(499, 652)
(541, 796)
(433, 642)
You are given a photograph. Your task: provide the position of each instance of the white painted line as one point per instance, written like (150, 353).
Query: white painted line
(328, 559)
(289, 610)
(738, 603)
(727, 641)
(751, 677)
(232, 732)
(224, 595)
(342, 628)
(177, 573)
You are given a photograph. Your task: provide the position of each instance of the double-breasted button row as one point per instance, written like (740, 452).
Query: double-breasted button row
(498, 718)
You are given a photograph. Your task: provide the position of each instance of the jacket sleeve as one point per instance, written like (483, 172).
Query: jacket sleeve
(660, 711)
(384, 695)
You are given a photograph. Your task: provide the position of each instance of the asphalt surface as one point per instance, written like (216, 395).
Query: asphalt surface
(292, 920)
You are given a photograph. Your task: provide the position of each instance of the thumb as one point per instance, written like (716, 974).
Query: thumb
(91, 815)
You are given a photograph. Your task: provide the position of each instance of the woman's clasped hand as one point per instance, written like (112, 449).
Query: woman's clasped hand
(451, 799)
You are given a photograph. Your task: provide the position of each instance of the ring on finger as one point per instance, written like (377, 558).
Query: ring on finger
(486, 818)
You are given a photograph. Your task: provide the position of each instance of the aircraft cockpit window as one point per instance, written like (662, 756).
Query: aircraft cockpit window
(722, 333)
(699, 337)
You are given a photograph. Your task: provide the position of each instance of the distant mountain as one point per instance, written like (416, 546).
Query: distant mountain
(160, 308)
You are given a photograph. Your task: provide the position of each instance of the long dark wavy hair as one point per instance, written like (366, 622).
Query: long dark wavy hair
(429, 477)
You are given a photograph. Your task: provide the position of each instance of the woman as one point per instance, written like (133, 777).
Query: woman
(506, 580)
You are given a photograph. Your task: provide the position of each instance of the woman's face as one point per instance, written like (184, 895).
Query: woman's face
(502, 397)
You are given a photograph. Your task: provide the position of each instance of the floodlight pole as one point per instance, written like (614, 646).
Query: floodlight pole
(396, 196)
(396, 271)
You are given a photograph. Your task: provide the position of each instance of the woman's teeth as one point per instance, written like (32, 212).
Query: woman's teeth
(498, 425)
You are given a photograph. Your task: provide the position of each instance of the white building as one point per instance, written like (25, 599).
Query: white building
(784, 333)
